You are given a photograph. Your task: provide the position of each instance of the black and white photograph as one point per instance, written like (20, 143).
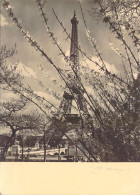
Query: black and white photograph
(70, 81)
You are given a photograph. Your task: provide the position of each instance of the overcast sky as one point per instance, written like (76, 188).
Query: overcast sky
(29, 15)
(29, 59)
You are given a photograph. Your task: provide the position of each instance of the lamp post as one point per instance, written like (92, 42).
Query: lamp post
(76, 153)
(44, 145)
(59, 158)
(68, 152)
(22, 157)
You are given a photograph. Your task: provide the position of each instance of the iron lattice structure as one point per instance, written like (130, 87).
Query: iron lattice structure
(73, 92)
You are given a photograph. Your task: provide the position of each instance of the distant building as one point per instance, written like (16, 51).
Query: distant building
(15, 149)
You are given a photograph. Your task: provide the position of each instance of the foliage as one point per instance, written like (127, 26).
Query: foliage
(112, 131)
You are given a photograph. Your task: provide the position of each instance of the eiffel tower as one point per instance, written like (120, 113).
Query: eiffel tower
(73, 91)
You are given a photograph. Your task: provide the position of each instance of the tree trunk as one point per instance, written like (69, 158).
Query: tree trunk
(8, 143)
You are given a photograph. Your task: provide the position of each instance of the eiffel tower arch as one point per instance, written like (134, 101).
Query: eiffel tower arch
(73, 92)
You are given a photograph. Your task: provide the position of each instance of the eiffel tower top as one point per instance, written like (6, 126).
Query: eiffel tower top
(74, 19)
